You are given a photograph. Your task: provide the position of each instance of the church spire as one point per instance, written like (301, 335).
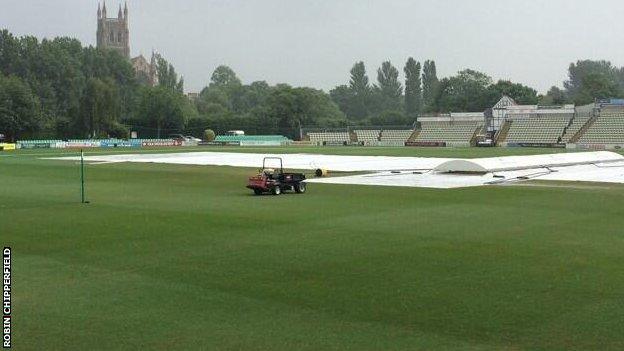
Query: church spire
(126, 10)
(119, 15)
(104, 10)
(99, 11)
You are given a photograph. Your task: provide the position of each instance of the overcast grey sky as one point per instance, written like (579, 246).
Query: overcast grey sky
(315, 43)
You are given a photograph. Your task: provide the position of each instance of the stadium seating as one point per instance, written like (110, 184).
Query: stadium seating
(396, 135)
(607, 129)
(443, 131)
(329, 137)
(538, 128)
(31, 142)
(251, 138)
(367, 135)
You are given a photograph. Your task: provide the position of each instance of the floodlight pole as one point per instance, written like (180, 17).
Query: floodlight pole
(82, 185)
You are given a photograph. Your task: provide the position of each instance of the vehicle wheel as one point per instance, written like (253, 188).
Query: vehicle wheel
(276, 190)
(257, 191)
(300, 188)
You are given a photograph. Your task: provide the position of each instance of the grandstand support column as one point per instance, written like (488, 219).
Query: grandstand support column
(575, 138)
(352, 135)
(502, 133)
(473, 140)
(414, 135)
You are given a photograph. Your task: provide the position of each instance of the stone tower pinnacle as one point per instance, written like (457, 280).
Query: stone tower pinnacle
(113, 33)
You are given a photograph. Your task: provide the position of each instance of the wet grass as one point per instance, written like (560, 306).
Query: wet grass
(184, 257)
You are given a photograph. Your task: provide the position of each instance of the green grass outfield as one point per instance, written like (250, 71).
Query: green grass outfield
(175, 257)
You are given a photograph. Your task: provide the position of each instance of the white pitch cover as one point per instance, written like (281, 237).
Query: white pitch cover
(601, 166)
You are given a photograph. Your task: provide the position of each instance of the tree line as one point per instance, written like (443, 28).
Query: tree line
(59, 89)
(226, 104)
(390, 101)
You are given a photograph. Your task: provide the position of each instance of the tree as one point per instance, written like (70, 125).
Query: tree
(430, 84)
(577, 72)
(211, 96)
(589, 80)
(344, 97)
(224, 76)
(359, 80)
(391, 118)
(467, 91)
(19, 108)
(596, 85)
(289, 108)
(413, 90)
(167, 76)
(554, 96)
(209, 135)
(522, 94)
(160, 108)
(354, 99)
(389, 86)
(225, 89)
(359, 92)
(99, 108)
(245, 98)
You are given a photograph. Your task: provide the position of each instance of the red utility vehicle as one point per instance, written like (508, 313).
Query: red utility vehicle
(276, 181)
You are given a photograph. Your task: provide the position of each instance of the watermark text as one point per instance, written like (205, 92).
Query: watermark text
(6, 298)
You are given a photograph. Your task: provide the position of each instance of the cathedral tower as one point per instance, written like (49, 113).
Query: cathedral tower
(113, 33)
